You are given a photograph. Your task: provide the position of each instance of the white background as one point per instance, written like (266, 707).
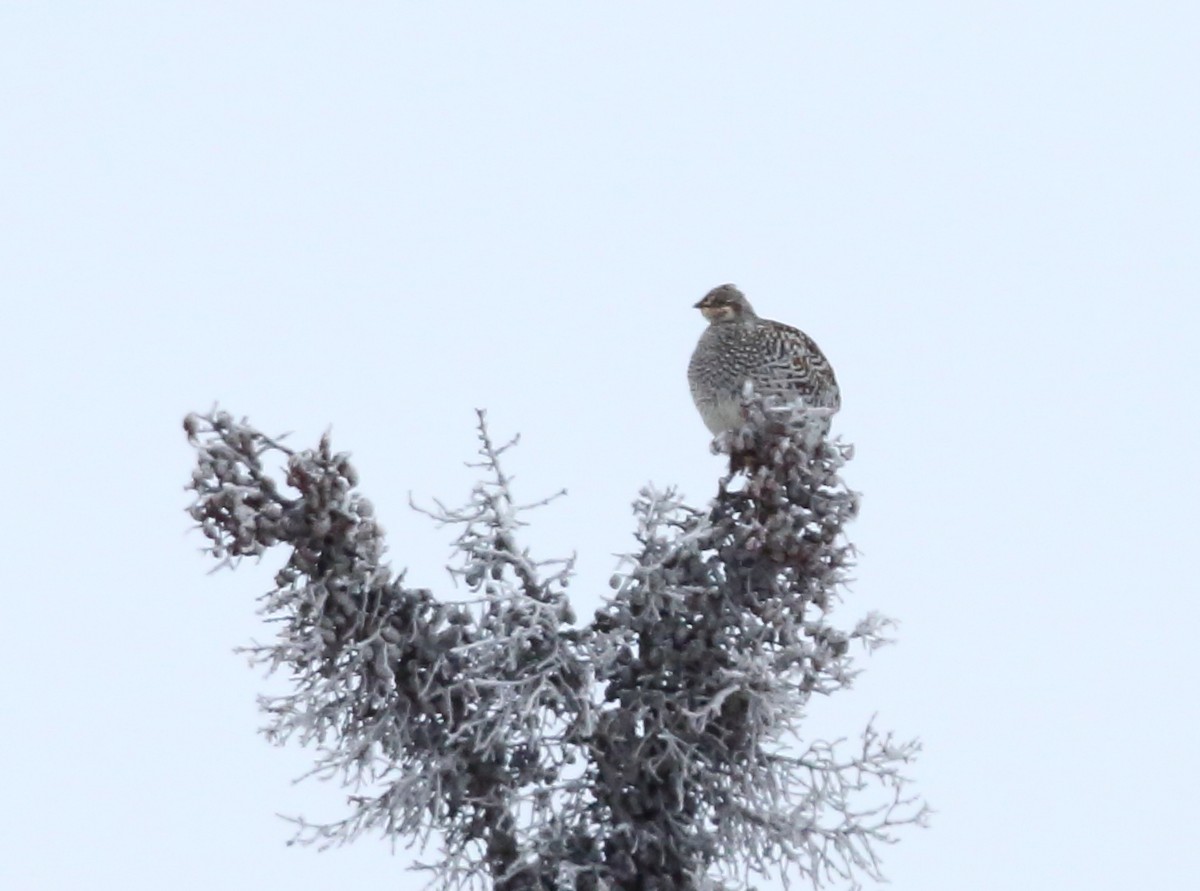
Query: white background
(381, 216)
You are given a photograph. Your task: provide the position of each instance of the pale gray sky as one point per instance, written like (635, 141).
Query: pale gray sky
(380, 216)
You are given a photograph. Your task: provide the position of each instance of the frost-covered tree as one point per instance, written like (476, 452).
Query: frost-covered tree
(658, 746)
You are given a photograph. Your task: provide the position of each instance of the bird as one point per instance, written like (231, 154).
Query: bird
(780, 362)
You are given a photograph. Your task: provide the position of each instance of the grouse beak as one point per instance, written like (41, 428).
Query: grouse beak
(699, 304)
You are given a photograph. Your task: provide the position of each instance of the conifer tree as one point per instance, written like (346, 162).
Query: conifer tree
(659, 745)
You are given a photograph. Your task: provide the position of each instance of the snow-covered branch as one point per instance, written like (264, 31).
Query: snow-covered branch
(659, 746)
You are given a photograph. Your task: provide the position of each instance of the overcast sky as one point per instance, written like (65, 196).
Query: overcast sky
(382, 216)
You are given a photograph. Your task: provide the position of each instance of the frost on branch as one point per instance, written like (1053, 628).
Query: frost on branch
(659, 746)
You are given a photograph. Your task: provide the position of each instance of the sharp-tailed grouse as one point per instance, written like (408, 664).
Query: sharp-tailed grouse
(782, 363)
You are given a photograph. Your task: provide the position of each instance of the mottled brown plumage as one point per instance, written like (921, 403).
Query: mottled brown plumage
(782, 363)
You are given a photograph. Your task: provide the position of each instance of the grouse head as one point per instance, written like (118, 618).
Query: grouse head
(725, 303)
